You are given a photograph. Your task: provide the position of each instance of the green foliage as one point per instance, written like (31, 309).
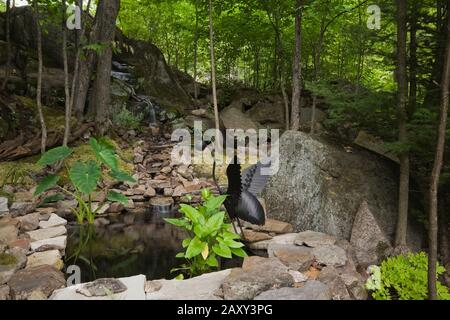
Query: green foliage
(209, 236)
(404, 278)
(126, 119)
(84, 177)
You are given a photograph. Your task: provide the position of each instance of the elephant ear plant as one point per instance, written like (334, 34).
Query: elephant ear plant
(85, 177)
(209, 236)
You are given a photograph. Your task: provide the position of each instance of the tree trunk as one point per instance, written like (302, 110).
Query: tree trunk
(437, 167)
(8, 44)
(102, 93)
(213, 74)
(413, 60)
(86, 66)
(68, 110)
(39, 79)
(196, 51)
(443, 227)
(400, 237)
(297, 71)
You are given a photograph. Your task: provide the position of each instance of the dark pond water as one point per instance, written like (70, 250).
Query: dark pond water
(131, 244)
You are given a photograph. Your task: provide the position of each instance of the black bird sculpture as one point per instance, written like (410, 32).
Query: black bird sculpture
(242, 202)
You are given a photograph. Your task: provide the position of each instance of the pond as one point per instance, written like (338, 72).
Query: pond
(131, 244)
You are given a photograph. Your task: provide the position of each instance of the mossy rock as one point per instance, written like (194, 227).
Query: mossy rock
(7, 259)
(19, 171)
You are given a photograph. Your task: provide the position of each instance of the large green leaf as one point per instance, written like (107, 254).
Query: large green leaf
(54, 155)
(215, 202)
(190, 212)
(177, 222)
(239, 252)
(122, 176)
(196, 246)
(233, 244)
(46, 183)
(117, 197)
(215, 222)
(85, 176)
(212, 261)
(222, 250)
(104, 153)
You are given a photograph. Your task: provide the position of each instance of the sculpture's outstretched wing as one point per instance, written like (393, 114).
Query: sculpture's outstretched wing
(253, 180)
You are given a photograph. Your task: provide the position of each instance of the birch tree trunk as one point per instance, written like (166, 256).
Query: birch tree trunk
(435, 175)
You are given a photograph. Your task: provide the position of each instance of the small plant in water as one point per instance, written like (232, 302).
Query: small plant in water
(209, 236)
(404, 277)
(85, 177)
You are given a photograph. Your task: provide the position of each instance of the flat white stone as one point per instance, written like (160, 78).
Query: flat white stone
(48, 233)
(56, 243)
(51, 257)
(135, 291)
(53, 221)
(287, 238)
(198, 288)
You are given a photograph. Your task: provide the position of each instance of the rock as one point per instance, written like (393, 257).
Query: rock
(11, 261)
(53, 221)
(150, 192)
(103, 209)
(101, 288)
(3, 205)
(204, 287)
(101, 222)
(4, 293)
(184, 171)
(265, 112)
(274, 226)
(375, 144)
(168, 192)
(51, 257)
(294, 257)
(312, 290)
(253, 236)
(135, 291)
(199, 112)
(42, 234)
(23, 244)
(63, 207)
(8, 233)
(256, 275)
(306, 116)
(21, 208)
(314, 239)
(128, 219)
(319, 186)
(166, 170)
(359, 292)
(298, 276)
(24, 196)
(191, 186)
(58, 243)
(369, 241)
(138, 158)
(116, 207)
(288, 238)
(234, 118)
(36, 281)
(330, 277)
(330, 255)
(179, 191)
(29, 222)
(153, 286)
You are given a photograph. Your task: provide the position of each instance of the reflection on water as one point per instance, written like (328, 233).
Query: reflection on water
(147, 246)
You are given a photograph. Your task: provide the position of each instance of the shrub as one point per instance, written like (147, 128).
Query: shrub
(209, 236)
(85, 177)
(126, 119)
(404, 277)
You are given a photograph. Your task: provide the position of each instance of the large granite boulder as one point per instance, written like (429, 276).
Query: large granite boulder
(320, 187)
